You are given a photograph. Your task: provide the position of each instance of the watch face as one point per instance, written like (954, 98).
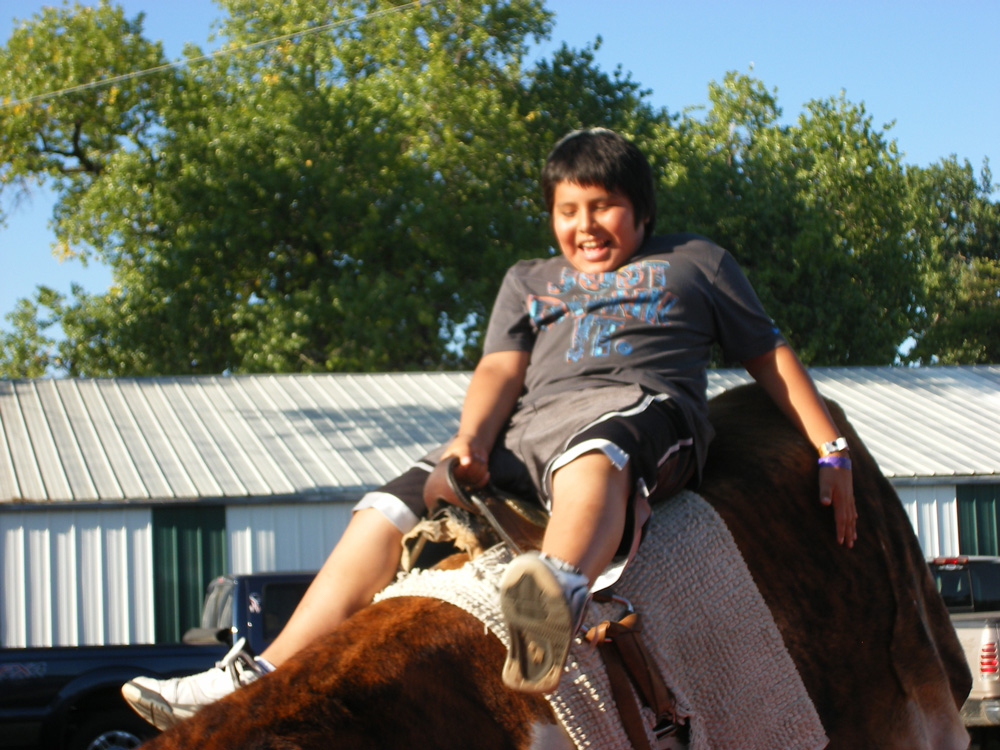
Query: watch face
(833, 446)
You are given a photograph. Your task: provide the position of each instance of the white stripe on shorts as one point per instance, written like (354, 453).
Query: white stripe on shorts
(391, 507)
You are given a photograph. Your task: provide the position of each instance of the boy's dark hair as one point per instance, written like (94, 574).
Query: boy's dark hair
(598, 156)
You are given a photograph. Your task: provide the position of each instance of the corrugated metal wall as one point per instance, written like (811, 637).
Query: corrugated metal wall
(76, 577)
(85, 577)
(933, 512)
(297, 536)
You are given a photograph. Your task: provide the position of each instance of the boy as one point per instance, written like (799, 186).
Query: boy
(590, 395)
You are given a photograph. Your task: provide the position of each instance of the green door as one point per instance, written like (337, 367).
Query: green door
(977, 519)
(189, 550)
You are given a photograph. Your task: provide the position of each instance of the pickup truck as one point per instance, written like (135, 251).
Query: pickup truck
(970, 587)
(68, 698)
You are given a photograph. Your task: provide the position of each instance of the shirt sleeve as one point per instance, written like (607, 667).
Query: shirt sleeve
(744, 329)
(510, 327)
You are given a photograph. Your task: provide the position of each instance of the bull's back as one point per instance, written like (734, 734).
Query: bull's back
(865, 626)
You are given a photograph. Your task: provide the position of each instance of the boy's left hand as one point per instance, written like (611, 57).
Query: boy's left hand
(836, 488)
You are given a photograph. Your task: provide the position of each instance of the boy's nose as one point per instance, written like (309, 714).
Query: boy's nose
(587, 221)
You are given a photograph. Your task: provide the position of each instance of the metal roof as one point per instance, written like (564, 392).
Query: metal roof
(920, 423)
(332, 436)
(262, 436)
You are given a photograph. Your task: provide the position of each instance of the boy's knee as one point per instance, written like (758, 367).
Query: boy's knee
(592, 462)
(590, 472)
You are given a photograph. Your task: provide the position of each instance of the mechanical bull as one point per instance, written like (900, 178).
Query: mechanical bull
(865, 627)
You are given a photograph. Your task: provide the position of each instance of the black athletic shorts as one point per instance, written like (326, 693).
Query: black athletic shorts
(642, 432)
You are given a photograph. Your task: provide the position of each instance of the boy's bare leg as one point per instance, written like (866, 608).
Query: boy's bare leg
(543, 597)
(589, 500)
(362, 564)
(364, 561)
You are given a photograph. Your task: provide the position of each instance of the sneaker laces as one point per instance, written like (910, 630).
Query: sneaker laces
(575, 586)
(240, 665)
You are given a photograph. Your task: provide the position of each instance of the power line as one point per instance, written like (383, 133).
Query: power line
(218, 53)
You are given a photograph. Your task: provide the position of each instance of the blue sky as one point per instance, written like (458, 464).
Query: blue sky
(931, 67)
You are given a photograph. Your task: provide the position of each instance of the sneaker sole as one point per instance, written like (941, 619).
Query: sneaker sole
(538, 622)
(152, 707)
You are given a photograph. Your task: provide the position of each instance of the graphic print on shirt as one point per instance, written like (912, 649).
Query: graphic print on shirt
(602, 304)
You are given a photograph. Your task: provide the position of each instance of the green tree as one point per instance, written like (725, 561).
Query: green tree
(343, 187)
(70, 137)
(328, 202)
(340, 200)
(957, 228)
(29, 351)
(814, 212)
(570, 91)
(854, 250)
(57, 129)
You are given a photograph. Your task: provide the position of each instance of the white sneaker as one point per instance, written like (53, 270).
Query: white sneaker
(163, 703)
(543, 601)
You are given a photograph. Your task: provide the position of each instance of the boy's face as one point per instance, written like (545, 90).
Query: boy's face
(595, 228)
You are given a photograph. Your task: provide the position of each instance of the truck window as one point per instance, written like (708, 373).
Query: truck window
(279, 600)
(954, 586)
(986, 587)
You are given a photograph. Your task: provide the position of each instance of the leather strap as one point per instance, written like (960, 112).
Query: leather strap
(519, 523)
(629, 662)
(441, 487)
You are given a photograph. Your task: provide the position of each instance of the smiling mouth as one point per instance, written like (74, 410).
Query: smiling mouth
(594, 248)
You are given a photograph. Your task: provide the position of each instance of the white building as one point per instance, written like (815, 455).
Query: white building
(120, 498)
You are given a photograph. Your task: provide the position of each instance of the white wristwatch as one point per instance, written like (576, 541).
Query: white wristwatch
(840, 444)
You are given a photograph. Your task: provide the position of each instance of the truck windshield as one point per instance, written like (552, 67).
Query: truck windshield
(969, 588)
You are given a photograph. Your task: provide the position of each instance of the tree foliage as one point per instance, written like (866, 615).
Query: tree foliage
(71, 137)
(958, 226)
(28, 352)
(814, 212)
(343, 188)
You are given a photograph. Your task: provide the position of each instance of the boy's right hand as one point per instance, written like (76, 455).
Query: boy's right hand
(473, 460)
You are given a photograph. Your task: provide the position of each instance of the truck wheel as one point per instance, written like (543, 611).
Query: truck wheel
(117, 730)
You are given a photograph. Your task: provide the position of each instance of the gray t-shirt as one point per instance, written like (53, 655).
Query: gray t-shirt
(652, 322)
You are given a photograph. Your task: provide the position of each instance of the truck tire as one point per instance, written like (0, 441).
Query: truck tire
(114, 730)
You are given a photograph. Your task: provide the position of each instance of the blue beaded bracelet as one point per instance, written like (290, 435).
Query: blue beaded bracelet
(837, 462)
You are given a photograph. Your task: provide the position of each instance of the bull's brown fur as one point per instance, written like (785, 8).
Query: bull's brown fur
(405, 673)
(865, 626)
